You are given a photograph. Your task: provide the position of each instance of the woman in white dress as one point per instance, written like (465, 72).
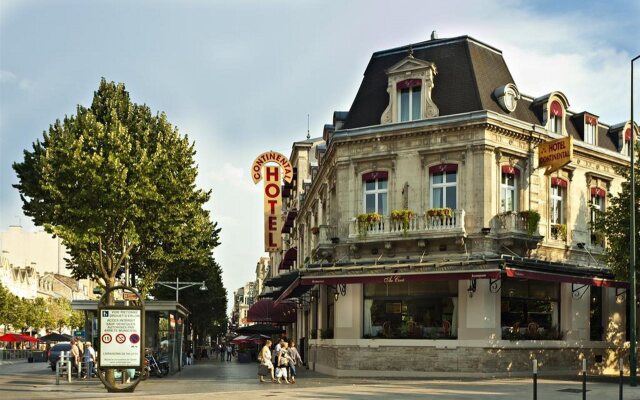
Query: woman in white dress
(265, 359)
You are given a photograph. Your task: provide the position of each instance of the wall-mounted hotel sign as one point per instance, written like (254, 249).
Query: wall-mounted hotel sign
(555, 154)
(273, 176)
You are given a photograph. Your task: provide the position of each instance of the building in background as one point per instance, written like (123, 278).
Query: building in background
(427, 225)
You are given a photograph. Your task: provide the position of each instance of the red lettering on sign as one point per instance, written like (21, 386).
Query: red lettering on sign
(272, 190)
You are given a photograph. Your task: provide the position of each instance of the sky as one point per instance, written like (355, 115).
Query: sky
(239, 77)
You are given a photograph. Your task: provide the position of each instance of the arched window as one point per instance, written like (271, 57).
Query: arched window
(509, 189)
(556, 111)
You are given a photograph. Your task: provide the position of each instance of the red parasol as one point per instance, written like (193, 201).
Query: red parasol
(17, 337)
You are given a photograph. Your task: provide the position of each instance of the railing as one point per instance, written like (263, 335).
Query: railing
(11, 354)
(418, 224)
(511, 222)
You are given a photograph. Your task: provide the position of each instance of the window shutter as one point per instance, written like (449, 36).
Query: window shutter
(438, 169)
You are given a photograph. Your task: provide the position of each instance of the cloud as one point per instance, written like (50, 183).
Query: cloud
(7, 76)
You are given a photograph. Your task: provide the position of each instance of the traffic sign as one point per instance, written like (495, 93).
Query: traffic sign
(78, 333)
(134, 338)
(106, 338)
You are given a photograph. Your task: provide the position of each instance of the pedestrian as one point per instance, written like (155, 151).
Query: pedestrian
(221, 349)
(265, 362)
(90, 360)
(229, 351)
(282, 364)
(294, 360)
(74, 357)
(189, 356)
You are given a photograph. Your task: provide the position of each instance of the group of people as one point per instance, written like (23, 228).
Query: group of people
(281, 363)
(83, 352)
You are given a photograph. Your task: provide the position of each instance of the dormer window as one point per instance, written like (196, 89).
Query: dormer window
(590, 129)
(409, 104)
(627, 142)
(409, 85)
(555, 117)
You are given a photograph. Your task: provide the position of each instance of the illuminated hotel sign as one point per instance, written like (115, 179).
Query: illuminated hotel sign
(555, 154)
(273, 175)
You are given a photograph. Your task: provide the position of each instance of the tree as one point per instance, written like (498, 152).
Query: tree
(117, 185)
(615, 220)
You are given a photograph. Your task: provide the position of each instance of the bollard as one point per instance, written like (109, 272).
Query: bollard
(584, 379)
(535, 379)
(621, 366)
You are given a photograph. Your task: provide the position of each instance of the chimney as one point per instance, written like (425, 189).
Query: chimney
(434, 35)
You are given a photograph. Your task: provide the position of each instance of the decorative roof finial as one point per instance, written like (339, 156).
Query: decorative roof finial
(308, 135)
(410, 51)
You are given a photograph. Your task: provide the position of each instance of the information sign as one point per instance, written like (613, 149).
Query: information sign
(120, 331)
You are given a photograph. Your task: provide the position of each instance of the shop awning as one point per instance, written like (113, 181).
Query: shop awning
(267, 311)
(493, 273)
(557, 277)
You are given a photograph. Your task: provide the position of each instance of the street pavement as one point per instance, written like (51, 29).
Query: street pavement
(232, 380)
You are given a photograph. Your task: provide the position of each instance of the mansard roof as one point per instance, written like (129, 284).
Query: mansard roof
(468, 72)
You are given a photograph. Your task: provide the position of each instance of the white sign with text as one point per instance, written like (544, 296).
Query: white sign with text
(120, 338)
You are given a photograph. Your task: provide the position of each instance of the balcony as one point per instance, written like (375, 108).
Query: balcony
(423, 226)
(517, 226)
(323, 241)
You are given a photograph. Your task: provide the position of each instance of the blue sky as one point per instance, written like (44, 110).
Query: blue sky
(240, 77)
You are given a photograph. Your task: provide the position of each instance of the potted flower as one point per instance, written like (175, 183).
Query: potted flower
(366, 220)
(403, 216)
(440, 212)
(531, 219)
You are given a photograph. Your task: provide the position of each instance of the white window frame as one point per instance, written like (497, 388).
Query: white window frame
(590, 134)
(598, 203)
(557, 215)
(411, 105)
(554, 123)
(627, 148)
(444, 185)
(376, 191)
(506, 188)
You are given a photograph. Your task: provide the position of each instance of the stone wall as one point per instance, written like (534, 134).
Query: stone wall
(396, 361)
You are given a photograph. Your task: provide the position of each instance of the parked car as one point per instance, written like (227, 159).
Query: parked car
(54, 353)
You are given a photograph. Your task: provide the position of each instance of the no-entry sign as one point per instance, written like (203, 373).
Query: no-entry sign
(116, 326)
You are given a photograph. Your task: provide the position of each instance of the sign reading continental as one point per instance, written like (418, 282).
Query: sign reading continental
(555, 154)
(273, 176)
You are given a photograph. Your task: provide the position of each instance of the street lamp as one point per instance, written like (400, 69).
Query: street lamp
(633, 358)
(178, 286)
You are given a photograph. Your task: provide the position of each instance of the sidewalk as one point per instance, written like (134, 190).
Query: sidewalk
(234, 381)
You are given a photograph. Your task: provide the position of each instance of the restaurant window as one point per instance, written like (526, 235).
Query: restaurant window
(509, 189)
(529, 309)
(557, 211)
(411, 310)
(375, 189)
(409, 100)
(444, 186)
(596, 330)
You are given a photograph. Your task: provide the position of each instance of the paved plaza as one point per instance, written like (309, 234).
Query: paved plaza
(231, 380)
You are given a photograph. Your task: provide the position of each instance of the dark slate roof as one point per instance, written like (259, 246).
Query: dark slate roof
(468, 71)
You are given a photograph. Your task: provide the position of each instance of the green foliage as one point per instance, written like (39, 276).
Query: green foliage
(614, 223)
(559, 231)
(532, 218)
(440, 212)
(366, 220)
(404, 216)
(117, 184)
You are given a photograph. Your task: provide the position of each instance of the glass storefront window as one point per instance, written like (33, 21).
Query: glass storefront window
(530, 309)
(411, 310)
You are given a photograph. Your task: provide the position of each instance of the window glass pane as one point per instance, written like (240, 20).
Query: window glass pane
(437, 198)
(415, 103)
(451, 176)
(451, 197)
(382, 203)
(404, 105)
(371, 185)
(370, 203)
(525, 302)
(437, 178)
(382, 184)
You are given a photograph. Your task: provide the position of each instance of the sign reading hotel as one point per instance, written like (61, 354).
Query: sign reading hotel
(555, 154)
(263, 168)
(120, 344)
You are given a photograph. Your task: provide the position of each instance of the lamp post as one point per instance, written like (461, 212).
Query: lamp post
(633, 358)
(178, 286)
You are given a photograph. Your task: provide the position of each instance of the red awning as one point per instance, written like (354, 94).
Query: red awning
(556, 109)
(267, 311)
(409, 83)
(372, 176)
(627, 135)
(438, 169)
(598, 192)
(399, 278)
(558, 182)
(508, 169)
(590, 120)
(553, 277)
